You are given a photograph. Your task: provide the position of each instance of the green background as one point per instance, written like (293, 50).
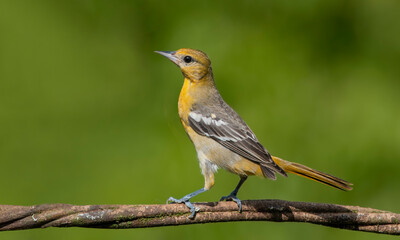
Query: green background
(88, 113)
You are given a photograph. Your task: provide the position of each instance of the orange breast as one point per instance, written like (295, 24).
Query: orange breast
(185, 102)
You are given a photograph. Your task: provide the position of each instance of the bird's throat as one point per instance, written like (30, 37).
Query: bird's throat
(185, 99)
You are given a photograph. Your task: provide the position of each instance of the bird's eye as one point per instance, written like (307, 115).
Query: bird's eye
(187, 59)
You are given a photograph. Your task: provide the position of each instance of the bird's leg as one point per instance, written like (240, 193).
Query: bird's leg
(186, 201)
(207, 171)
(232, 196)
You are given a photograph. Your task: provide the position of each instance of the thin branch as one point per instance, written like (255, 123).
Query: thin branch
(141, 216)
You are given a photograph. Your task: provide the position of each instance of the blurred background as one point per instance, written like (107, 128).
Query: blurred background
(88, 112)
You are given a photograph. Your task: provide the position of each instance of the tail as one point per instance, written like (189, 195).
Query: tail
(312, 174)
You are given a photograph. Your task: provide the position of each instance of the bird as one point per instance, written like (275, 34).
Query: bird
(221, 137)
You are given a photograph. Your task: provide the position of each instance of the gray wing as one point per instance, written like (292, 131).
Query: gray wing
(235, 136)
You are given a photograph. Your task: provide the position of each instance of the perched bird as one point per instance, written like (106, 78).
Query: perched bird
(221, 138)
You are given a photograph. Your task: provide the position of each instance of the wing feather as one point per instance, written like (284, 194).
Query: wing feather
(237, 138)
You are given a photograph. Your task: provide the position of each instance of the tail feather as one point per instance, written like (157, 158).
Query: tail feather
(313, 174)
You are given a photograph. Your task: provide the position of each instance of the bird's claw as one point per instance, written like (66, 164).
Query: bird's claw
(186, 201)
(232, 197)
(173, 200)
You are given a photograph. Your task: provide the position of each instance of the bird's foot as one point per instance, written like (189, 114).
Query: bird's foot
(186, 201)
(232, 197)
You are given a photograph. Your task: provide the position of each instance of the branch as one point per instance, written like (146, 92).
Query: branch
(141, 216)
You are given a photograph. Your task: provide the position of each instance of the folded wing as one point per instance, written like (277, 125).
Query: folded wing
(235, 136)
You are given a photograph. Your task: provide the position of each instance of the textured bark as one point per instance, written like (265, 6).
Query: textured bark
(140, 216)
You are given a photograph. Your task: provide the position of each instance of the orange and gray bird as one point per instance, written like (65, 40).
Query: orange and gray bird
(221, 138)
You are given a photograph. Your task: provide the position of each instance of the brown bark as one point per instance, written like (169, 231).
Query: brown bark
(140, 216)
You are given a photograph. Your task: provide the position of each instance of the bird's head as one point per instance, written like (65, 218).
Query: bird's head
(194, 64)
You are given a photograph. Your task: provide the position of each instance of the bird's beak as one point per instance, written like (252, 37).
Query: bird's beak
(170, 55)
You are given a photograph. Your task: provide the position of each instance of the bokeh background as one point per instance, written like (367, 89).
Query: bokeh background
(88, 113)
